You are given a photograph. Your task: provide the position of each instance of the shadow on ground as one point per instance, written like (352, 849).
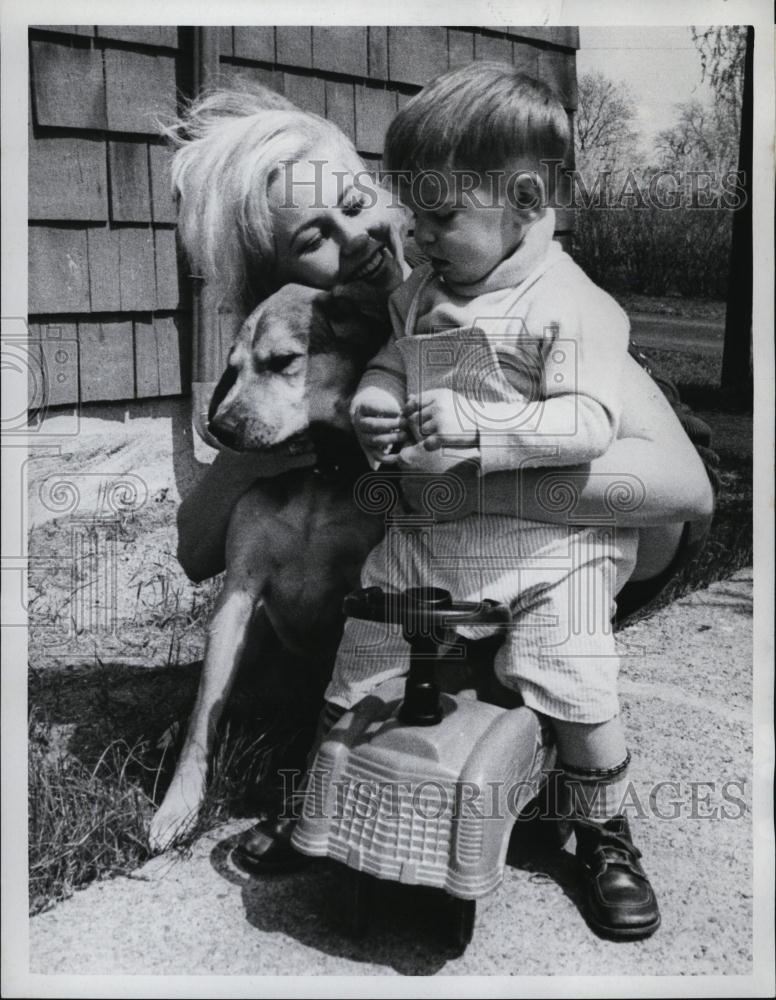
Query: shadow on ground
(409, 928)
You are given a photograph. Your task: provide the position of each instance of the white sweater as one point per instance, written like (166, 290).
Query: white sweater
(545, 345)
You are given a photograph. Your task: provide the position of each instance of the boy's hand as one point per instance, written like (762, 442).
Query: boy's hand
(379, 426)
(439, 421)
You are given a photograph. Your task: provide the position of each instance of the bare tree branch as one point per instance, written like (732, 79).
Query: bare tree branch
(605, 115)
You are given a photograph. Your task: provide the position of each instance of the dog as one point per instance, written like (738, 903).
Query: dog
(296, 542)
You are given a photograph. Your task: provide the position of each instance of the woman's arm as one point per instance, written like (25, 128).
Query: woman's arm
(203, 516)
(651, 475)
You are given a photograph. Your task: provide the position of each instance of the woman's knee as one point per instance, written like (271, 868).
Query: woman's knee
(657, 550)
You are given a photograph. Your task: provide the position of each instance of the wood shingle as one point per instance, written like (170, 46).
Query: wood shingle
(67, 179)
(102, 244)
(68, 85)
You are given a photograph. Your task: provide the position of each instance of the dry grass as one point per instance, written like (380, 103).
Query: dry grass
(114, 587)
(84, 823)
(90, 822)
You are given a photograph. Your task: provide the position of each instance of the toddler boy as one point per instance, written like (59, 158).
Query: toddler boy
(504, 352)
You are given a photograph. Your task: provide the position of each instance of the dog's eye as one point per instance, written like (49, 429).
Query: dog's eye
(279, 362)
(312, 245)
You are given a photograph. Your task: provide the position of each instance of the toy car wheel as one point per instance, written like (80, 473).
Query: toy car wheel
(463, 913)
(359, 902)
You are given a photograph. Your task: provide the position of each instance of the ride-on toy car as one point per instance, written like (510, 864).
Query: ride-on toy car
(418, 785)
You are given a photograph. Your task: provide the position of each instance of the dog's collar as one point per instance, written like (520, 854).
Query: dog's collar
(329, 470)
(332, 467)
(336, 454)
(324, 451)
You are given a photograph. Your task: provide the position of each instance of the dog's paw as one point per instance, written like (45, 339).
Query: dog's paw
(165, 830)
(177, 816)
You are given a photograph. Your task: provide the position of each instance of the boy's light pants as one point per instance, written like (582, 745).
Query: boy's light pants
(559, 582)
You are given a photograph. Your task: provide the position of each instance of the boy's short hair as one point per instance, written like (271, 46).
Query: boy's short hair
(482, 117)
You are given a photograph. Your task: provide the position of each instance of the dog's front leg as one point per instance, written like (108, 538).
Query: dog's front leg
(227, 633)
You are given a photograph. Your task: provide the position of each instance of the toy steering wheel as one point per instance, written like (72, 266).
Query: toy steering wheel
(429, 617)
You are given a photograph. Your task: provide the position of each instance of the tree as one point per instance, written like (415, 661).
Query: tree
(604, 134)
(726, 59)
(723, 56)
(701, 137)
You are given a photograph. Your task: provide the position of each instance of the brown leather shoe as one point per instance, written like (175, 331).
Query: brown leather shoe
(266, 849)
(621, 903)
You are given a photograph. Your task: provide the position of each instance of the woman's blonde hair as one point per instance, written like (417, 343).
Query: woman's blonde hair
(231, 144)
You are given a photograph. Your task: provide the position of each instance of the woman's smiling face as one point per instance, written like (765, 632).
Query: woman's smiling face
(331, 224)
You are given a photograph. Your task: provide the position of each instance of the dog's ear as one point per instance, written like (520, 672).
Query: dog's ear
(356, 297)
(290, 310)
(358, 316)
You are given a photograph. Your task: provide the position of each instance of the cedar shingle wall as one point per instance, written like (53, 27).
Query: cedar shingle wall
(103, 270)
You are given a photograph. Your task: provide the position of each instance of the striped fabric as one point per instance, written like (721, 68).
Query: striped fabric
(560, 584)
(494, 347)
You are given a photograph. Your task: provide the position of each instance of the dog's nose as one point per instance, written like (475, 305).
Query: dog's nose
(226, 435)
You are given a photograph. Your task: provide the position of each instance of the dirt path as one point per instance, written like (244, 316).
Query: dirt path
(678, 333)
(687, 701)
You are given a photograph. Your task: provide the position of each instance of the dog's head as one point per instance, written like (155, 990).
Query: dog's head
(295, 363)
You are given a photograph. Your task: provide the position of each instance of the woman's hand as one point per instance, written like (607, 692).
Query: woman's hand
(439, 420)
(388, 224)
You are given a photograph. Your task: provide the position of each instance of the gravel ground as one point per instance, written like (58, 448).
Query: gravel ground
(687, 700)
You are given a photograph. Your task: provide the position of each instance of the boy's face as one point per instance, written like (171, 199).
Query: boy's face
(465, 232)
